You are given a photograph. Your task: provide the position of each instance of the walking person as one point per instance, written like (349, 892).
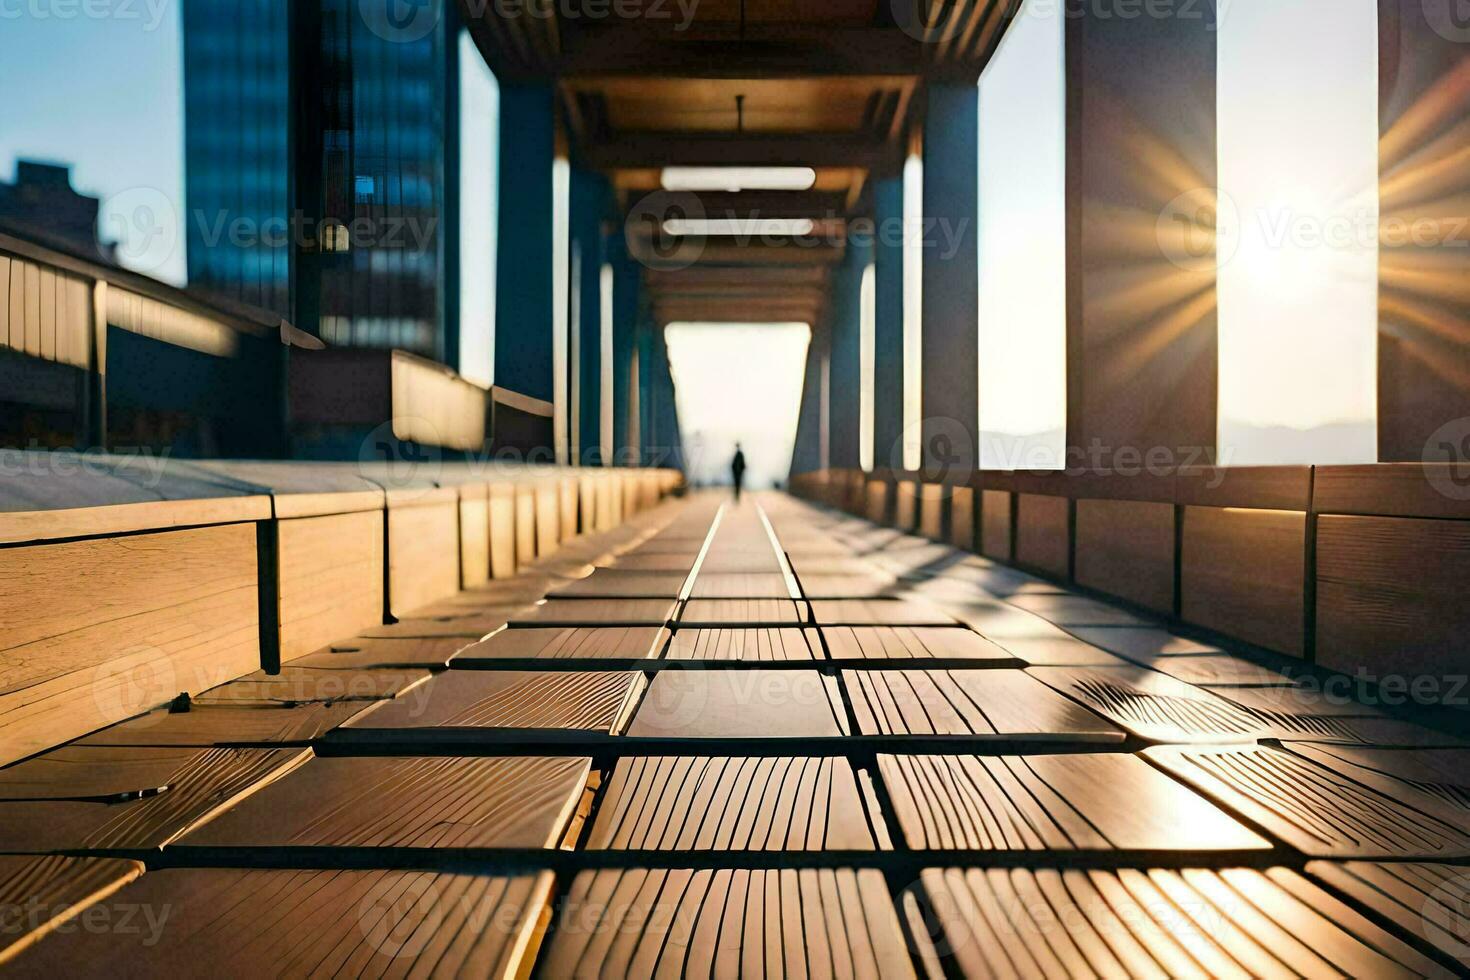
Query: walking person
(737, 470)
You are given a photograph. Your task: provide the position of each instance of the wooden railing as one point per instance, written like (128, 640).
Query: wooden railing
(1357, 568)
(130, 580)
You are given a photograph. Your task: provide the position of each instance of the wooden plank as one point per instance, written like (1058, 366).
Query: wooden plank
(458, 704)
(313, 685)
(741, 612)
(614, 583)
(1242, 573)
(158, 614)
(876, 507)
(419, 803)
(771, 923)
(863, 585)
(995, 524)
(598, 612)
(329, 580)
(548, 517)
(1428, 490)
(1317, 810)
(878, 612)
(474, 540)
(230, 724)
(1146, 922)
(423, 553)
(46, 294)
(31, 300)
(725, 804)
(1422, 899)
(362, 652)
(526, 533)
(1126, 548)
(568, 499)
(152, 796)
(748, 644)
(1053, 803)
(5, 300)
(748, 703)
(962, 518)
(565, 643)
(1044, 534)
(1254, 487)
(982, 704)
(905, 505)
(501, 513)
(913, 643)
(1391, 597)
(1443, 773)
(364, 923)
(933, 502)
(740, 585)
(17, 305)
(1155, 706)
(1075, 610)
(40, 895)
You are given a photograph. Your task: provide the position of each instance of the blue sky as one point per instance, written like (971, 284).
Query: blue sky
(103, 94)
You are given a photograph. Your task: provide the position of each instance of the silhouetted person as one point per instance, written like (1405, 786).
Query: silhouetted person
(737, 470)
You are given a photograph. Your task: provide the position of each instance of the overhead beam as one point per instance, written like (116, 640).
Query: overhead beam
(672, 149)
(642, 47)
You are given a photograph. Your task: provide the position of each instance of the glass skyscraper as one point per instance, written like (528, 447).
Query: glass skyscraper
(321, 149)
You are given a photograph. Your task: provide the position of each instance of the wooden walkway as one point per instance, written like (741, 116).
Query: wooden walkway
(765, 740)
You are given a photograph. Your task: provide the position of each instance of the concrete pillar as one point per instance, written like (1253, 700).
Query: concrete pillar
(523, 301)
(845, 381)
(1141, 178)
(951, 367)
(888, 328)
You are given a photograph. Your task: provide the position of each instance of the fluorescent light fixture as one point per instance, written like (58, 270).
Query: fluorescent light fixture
(737, 178)
(734, 227)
